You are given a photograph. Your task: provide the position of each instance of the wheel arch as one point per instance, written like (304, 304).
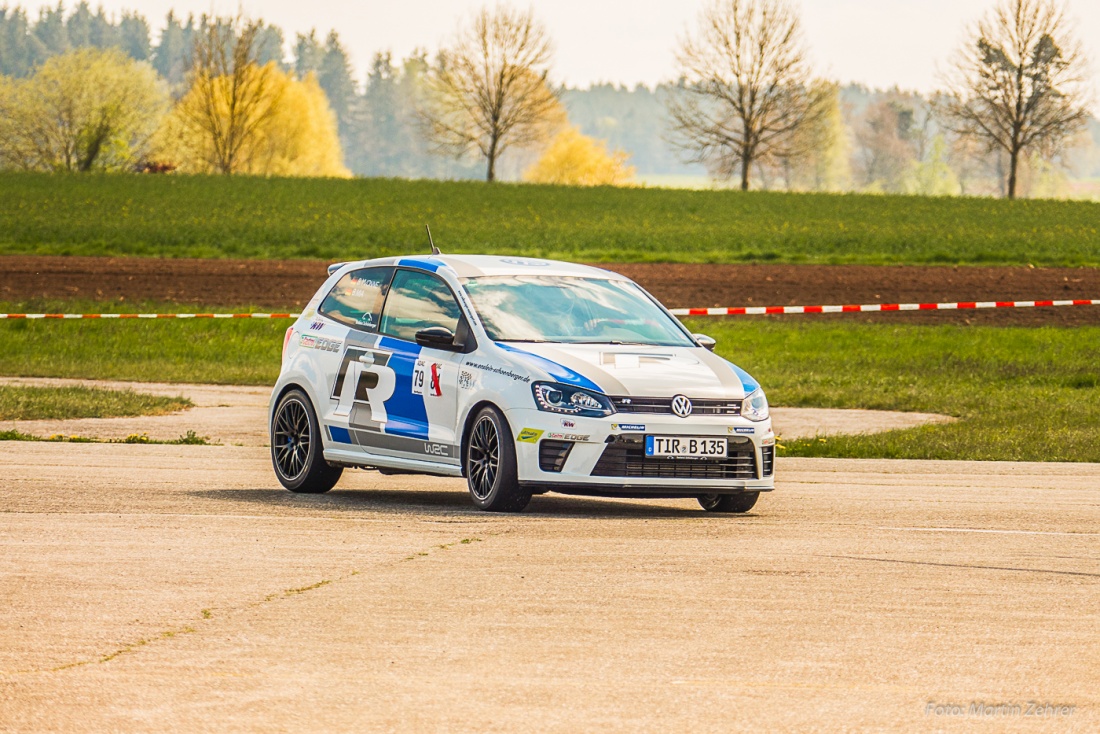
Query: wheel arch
(468, 425)
(304, 389)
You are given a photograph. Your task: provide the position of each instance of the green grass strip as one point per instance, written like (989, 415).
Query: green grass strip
(218, 216)
(28, 403)
(1020, 394)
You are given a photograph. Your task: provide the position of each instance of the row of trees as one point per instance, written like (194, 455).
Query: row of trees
(100, 109)
(747, 105)
(1018, 85)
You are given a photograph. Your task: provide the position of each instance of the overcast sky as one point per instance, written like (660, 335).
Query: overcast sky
(876, 42)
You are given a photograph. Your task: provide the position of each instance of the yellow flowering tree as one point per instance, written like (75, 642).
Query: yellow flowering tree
(293, 132)
(575, 159)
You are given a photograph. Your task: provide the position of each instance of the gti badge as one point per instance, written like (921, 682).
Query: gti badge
(681, 406)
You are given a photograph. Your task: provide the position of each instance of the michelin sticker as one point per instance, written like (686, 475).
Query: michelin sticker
(628, 427)
(741, 429)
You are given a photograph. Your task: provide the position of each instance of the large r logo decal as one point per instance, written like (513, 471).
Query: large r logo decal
(364, 378)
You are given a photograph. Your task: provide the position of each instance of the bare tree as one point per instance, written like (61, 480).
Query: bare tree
(235, 96)
(1019, 82)
(746, 87)
(488, 91)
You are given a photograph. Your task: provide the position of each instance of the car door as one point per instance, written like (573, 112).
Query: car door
(424, 402)
(354, 370)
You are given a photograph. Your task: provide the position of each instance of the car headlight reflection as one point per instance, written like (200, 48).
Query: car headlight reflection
(556, 398)
(755, 406)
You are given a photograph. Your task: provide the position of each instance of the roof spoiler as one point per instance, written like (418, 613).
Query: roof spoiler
(335, 266)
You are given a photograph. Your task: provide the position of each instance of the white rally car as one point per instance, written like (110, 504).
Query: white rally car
(521, 375)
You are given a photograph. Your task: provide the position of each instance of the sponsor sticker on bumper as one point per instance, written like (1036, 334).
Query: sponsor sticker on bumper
(529, 435)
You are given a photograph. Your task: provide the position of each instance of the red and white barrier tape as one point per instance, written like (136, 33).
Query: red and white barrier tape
(873, 307)
(148, 315)
(739, 311)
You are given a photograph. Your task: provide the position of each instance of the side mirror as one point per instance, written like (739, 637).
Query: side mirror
(705, 341)
(437, 337)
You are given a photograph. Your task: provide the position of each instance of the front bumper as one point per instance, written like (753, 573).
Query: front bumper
(606, 455)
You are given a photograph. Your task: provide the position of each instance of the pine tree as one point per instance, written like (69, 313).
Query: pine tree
(269, 46)
(50, 30)
(79, 26)
(335, 77)
(307, 55)
(170, 57)
(104, 33)
(133, 36)
(20, 49)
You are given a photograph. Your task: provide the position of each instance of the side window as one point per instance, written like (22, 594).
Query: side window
(357, 298)
(418, 301)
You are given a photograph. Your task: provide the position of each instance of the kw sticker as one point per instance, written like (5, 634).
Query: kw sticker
(566, 423)
(426, 378)
(529, 435)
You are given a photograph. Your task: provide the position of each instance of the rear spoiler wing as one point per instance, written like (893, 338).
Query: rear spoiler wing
(335, 266)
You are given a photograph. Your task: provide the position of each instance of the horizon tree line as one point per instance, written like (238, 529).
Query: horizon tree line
(746, 106)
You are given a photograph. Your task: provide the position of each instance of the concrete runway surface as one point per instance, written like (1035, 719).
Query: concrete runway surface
(175, 588)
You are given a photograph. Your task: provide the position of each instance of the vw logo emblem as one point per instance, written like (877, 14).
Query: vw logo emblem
(681, 406)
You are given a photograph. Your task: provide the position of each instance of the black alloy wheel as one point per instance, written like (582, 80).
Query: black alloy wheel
(296, 450)
(728, 502)
(491, 472)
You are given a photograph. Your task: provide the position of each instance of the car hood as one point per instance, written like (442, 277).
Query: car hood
(636, 370)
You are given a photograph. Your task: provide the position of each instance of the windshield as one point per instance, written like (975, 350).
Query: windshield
(552, 308)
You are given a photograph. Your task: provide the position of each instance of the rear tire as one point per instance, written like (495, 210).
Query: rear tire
(728, 502)
(490, 463)
(296, 450)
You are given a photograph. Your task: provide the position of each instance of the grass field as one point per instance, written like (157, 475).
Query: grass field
(25, 403)
(179, 216)
(243, 352)
(1020, 394)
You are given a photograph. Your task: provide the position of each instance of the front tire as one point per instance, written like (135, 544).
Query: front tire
(296, 450)
(728, 502)
(490, 463)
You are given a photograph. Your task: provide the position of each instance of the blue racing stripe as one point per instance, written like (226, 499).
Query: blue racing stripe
(559, 372)
(405, 412)
(747, 381)
(419, 262)
(339, 435)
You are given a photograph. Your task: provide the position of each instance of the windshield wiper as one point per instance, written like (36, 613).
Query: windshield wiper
(617, 343)
(526, 341)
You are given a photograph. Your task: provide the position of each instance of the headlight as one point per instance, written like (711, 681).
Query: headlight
(556, 398)
(755, 406)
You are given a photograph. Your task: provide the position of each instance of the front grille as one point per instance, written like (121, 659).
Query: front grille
(767, 460)
(552, 455)
(699, 406)
(625, 457)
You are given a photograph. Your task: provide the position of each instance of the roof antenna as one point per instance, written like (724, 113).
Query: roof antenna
(435, 250)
